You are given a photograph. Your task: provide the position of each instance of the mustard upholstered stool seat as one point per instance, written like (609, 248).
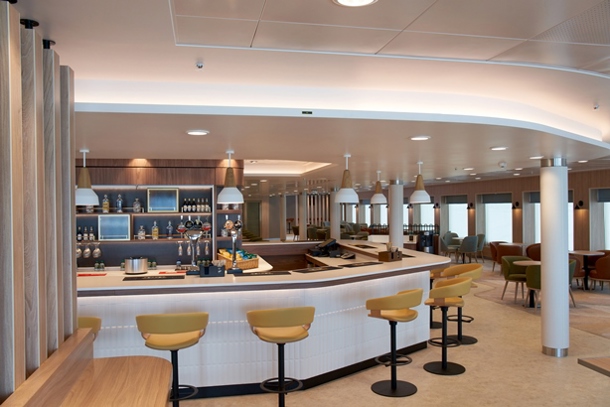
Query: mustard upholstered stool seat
(434, 274)
(445, 294)
(395, 308)
(474, 271)
(94, 323)
(173, 332)
(281, 326)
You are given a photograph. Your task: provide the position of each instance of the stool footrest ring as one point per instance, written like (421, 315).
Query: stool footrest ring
(451, 342)
(192, 393)
(290, 384)
(386, 360)
(465, 318)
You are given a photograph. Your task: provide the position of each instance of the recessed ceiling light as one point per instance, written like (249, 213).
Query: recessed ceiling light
(518, 169)
(473, 174)
(253, 184)
(583, 161)
(478, 178)
(439, 178)
(499, 148)
(263, 180)
(537, 157)
(468, 169)
(198, 132)
(246, 186)
(516, 173)
(447, 181)
(354, 3)
(421, 137)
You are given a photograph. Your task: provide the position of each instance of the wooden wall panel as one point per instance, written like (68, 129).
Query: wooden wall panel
(68, 175)
(53, 226)
(33, 176)
(12, 308)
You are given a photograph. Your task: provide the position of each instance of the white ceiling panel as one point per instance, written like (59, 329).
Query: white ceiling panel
(511, 19)
(214, 31)
(549, 53)
(447, 46)
(388, 14)
(237, 9)
(320, 38)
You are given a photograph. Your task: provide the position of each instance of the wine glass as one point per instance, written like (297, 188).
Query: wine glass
(179, 248)
(79, 251)
(97, 252)
(87, 252)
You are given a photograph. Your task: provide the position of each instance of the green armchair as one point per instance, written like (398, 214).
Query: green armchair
(513, 274)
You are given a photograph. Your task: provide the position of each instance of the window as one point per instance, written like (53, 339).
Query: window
(570, 224)
(426, 214)
(498, 222)
(458, 218)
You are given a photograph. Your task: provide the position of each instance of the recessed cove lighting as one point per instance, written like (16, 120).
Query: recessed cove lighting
(420, 138)
(198, 132)
(354, 3)
(537, 157)
(468, 169)
(519, 169)
(516, 174)
(499, 148)
(583, 161)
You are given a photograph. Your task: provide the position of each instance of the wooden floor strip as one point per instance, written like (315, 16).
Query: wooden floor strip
(600, 364)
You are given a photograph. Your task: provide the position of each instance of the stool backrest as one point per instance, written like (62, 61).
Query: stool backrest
(460, 269)
(454, 287)
(281, 317)
(94, 323)
(402, 300)
(172, 323)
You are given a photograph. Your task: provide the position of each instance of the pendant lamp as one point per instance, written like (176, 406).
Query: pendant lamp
(420, 195)
(346, 194)
(85, 196)
(378, 198)
(229, 193)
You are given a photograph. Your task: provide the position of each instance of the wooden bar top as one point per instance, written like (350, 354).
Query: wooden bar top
(126, 381)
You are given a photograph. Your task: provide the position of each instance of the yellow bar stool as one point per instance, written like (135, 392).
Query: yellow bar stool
(395, 308)
(473, 271)
(434, 274)
(94, 323)
(445, 294)
(173, 332)
(281, 326)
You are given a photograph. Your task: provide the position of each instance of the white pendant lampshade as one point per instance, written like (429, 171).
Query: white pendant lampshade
(420, 195)
(346, 194)
(85, 196)
(378, 198)
(229, 193)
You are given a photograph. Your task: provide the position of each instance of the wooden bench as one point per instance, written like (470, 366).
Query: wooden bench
(71, 377)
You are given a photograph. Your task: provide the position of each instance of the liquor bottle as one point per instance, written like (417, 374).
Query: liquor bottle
(85, 234)
(155, 231)
(206, 206)
(91, 234)
(188, 206)
(184, 205)
(137, 206)
(199, 206)
(79, 234)
(105, 204)
(119, 204)
(170, 230)
(141, 233)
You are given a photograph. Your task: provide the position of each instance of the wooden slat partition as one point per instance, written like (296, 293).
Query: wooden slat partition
(53, 200)
(34, 202)
(68, 172)
(12, 309)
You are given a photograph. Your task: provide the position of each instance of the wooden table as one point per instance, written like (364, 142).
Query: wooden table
(128, 381)
(585, 261)
(529, 263)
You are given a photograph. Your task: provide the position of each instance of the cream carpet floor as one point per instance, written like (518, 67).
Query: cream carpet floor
(505, 368)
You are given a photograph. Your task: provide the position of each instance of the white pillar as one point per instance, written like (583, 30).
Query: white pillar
(554, 257)
(283, 217)
(303, 216)
(395, 220)
(335, 217)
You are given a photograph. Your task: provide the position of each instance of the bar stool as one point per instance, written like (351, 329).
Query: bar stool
(281, 326)
(395, 308)
(94, 323)
(173, 332)
(445, 294)
(434, 274)
(473, 271)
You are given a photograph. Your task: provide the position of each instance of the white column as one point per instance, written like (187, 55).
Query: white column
(395, 220)
(554, 257)
(335, 217)
(303, 216)
(283, 217)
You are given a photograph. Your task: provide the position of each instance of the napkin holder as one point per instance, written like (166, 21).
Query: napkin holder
(390, 256)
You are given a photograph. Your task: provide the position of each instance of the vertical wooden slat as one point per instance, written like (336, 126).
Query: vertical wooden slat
(12, 350)
(68, 140)
(53, 239)
(34, 203)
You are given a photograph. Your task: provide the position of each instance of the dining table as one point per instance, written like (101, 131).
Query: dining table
(525, 263)
(585, 261)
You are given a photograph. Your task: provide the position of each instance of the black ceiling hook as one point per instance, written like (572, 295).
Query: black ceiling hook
(29, 24)
(47, 44)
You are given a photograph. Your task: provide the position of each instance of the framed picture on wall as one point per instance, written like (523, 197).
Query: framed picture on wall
(162, 200)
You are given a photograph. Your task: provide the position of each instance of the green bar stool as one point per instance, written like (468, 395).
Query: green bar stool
(173, 332)
(445, 294)
(281, 326)
(395, 308)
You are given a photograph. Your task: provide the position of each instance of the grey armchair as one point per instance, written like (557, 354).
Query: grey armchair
(468, 247)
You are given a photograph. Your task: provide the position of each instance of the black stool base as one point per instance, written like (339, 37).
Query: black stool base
(403, 389)
(185, 391)
(451, 370)
(466, 340)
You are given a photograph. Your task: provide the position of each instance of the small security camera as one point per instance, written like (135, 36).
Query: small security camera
(502, 164)
(199, 65)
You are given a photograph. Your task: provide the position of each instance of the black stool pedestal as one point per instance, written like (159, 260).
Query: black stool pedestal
(444, 367)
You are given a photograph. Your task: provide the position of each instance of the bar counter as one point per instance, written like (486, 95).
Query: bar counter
(229, 354)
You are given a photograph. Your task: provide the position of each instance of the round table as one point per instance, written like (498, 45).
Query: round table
(585, 262)
(529, 263)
